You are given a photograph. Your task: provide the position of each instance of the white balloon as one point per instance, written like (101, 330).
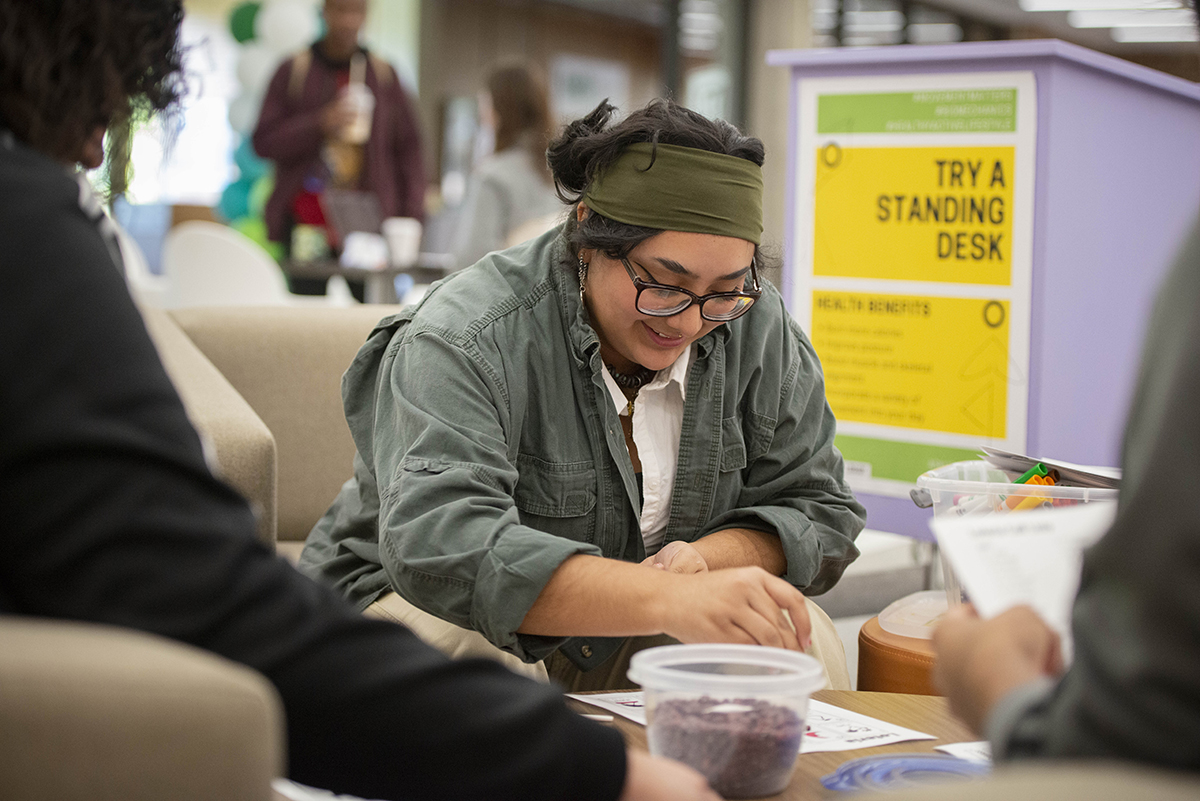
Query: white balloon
(256, 64)
(286, 25)
(243, 112)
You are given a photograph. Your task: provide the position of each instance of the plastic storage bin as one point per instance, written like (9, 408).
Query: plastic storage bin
(733, 712)
(976, 488)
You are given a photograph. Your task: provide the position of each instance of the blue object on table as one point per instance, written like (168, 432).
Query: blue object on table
(896, 771)
(404, 283)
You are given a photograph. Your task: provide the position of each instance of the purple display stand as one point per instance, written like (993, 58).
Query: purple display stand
(1117, 187)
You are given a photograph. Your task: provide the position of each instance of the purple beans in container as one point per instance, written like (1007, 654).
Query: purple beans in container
(733, 712)
(745, 747)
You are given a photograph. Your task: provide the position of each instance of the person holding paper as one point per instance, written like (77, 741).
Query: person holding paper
(610, 433)
(1133, 689)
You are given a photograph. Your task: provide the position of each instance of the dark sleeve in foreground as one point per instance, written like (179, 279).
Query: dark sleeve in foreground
(1133, 691)
(110, 515)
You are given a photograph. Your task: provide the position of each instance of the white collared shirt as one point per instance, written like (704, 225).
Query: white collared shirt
(657, 420)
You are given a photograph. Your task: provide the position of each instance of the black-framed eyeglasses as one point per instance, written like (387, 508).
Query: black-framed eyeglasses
(664, 300)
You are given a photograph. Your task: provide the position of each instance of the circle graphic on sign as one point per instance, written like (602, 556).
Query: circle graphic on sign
(993, 313)
(831, 154)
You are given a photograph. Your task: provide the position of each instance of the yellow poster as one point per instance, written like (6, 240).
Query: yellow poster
(934, 363)
(914, 213)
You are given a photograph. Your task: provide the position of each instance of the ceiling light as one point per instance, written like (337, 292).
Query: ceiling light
(1132, 19)
(1174, 33)
(1093, 5)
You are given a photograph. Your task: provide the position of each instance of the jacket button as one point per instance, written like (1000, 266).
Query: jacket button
(586, 651)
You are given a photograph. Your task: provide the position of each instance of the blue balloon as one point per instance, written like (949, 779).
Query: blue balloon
(235, 200)
(252, 167)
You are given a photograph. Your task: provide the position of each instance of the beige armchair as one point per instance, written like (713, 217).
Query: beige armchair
(103, 714)
(286, 363)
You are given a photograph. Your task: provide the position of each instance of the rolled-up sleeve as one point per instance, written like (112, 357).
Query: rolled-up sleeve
(451, 539)
(794, 484)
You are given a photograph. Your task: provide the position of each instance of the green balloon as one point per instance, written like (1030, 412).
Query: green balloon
(241, 21)
(255, 229)
(260, 192)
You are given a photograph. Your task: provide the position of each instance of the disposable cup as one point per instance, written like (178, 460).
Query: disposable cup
(403, 235)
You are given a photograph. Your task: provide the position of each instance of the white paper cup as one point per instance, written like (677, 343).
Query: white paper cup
(403, 235)
(363, 102)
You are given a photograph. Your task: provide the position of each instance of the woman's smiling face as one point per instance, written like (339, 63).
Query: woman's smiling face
(700, 263)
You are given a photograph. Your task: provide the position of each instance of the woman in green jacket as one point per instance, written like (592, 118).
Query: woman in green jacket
(610, 436)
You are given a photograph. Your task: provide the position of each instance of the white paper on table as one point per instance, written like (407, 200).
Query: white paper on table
(294, 791)
(364, 251)
(629, 705)
(1032, 558)
(829, 728)
(980, 751)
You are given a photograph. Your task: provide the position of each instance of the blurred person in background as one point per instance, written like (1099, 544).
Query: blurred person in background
(112, 515)
(324, 132)
(511, 191)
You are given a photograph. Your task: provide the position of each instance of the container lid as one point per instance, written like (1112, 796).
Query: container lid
(980, 478)
(710, 668)
(915, 615)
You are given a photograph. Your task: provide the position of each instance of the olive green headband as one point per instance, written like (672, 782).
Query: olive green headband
(684, 189)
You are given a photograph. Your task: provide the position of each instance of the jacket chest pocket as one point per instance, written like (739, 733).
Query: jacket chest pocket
(557, 498)
(733, 445)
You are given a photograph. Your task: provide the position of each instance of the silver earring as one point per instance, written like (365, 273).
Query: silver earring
(583, 268)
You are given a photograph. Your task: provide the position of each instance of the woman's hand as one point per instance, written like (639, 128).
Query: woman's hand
(678, 557)
(980, 661)
(738, 605)
(649, 778)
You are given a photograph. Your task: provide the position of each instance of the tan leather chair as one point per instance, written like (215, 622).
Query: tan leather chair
(237, 440)
(889, 663)
(287, 363)
(95, 713)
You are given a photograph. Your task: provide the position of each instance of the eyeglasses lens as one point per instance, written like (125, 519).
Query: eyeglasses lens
(662, 302)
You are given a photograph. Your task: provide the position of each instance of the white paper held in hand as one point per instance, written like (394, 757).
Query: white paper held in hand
(1032, 558)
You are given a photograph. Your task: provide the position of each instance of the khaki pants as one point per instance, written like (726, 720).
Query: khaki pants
(459, 643)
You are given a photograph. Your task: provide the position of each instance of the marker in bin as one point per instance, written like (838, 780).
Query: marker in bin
(1038, 475)
(984, 503)
(975, 504)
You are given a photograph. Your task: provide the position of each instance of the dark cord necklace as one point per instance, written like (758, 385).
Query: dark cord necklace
(635, 380)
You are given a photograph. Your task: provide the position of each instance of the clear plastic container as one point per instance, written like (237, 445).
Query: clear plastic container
(978, 488)
(915, 615)
(733, 712)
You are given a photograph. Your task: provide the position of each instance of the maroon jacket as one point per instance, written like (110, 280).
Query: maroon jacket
(289, 133)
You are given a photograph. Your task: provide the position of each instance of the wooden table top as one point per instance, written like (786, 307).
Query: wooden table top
(925, 713)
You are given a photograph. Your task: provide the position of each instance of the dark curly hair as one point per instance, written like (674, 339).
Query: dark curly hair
(70, 66)
(588, 145)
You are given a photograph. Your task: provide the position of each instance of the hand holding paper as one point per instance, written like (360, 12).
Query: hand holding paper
(981, 661)
(1033, 558)
(1021, 573)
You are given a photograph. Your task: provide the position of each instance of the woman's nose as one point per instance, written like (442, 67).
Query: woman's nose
(688, 322)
